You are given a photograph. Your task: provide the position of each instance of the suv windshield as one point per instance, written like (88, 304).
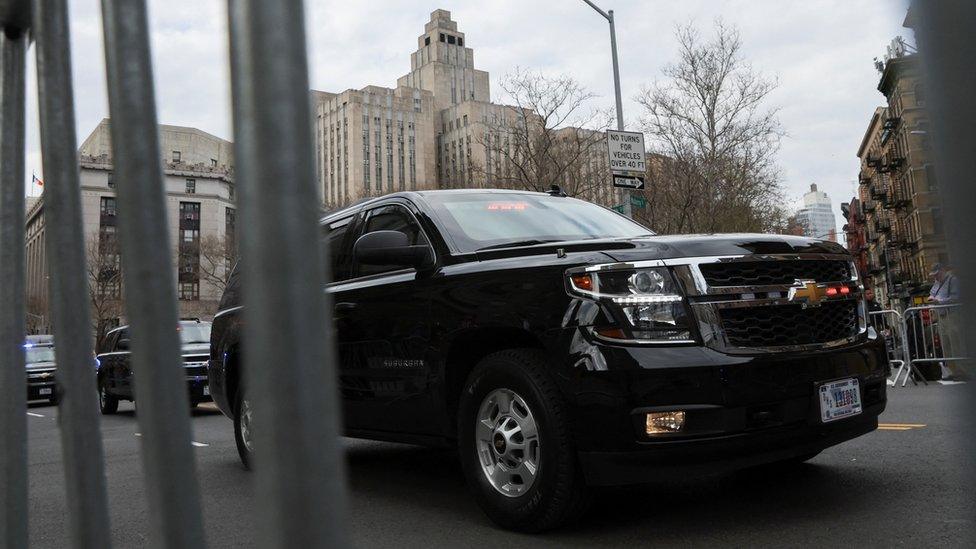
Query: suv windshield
(477, 221)
(195, 333)
(39, 354)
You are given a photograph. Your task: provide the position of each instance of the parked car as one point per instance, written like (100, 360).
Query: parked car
(41, 369)
(115, 368)
(559, 345)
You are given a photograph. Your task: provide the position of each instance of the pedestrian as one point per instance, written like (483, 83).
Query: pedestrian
(945, 286)
(879, 322)
(945, 291)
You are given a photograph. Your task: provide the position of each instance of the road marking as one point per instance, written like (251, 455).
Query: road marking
(34, 415)
(193, 442)
(949, 382)
(899, 426)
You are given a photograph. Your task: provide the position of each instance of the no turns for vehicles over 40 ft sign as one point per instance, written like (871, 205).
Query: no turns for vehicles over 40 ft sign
(627, 159)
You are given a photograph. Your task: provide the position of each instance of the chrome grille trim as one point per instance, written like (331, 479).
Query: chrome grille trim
(706, 301)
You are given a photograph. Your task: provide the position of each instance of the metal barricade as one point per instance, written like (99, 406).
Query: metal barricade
(298, 470)
(889, 326)
(933, 338)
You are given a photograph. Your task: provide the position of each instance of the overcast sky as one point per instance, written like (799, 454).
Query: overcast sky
(820, 51)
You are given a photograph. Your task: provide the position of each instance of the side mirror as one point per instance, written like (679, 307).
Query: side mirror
(390, 248)
(122, 345)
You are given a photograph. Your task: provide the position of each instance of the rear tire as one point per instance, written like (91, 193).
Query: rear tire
(107, 403)
(243, 428)
(516, 450)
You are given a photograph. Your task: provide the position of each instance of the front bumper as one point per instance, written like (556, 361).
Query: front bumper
(199, 388)
(42, 390)
(668, 459)
(741, 410)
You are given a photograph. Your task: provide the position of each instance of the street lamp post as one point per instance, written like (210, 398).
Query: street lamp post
(608, 15)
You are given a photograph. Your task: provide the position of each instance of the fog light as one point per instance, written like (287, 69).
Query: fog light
(665, 422)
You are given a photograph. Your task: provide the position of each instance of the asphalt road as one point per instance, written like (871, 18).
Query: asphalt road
(903, 485)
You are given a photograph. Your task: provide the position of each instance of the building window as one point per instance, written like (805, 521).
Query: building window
(465, 121)
(107, 208)
(190, 291)
(230, 233)
(191, 186)
(460, 41)
(443, 38)
(111, 180)
(919, 94)
(213, 162)
(177, 157)
(930, 179)
(426, 40)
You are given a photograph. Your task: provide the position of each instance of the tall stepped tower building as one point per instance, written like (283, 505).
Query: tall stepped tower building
(436, 129)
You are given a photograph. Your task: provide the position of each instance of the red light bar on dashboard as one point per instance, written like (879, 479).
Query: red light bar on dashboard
(507, 206)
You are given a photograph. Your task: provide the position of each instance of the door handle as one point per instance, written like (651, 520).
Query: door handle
(344, 306)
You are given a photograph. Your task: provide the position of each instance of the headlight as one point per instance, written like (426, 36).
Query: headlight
(646, 304)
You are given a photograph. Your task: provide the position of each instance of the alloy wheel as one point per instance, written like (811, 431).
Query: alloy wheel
(508, 442)
(246, 435)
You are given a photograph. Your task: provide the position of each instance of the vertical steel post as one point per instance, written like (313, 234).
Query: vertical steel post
(150, 285)
(298, 470)
(81, 439)
(608, 15)
(13, 391)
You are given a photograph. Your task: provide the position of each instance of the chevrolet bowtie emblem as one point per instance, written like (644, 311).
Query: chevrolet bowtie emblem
(807, 293)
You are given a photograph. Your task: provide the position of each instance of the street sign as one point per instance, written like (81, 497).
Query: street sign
(638, 201)
(626, 150)
(619, 208)
(628, 182)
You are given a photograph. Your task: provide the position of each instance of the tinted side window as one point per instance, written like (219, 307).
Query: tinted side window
(121, 335)
(335, 234)
(391, 218)
(108, 343)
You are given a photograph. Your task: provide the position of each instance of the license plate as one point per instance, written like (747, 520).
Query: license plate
(44, 391)
(839, 399)
(206, 390)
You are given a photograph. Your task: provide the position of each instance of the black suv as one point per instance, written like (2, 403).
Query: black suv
(41, 369)
(560, 345)
(115, 368)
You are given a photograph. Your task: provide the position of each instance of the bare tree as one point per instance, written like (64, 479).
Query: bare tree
(716, 140)
(104, 282)
(549, 136)
(216, 256)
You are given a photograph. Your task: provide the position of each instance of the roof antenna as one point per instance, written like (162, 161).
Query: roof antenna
(555, 190)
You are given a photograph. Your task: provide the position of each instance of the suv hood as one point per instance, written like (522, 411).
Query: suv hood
(677, 246)
(196, 349)
(710, 245)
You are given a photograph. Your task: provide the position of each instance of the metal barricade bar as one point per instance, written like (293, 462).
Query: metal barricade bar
(931, 335)
(13, 394)
(299, 472)
(895, 344)
(81, 439)
(164, 408)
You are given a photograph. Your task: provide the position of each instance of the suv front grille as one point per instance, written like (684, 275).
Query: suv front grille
(768, 273)
(783, 325)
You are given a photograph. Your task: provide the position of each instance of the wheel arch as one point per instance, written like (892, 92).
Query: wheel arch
(467, 349)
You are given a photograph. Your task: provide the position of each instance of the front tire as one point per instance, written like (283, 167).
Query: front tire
(244, 428)
(517, 453)
(108, 404)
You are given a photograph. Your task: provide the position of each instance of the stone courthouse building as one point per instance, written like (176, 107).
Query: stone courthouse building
(436, 129)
